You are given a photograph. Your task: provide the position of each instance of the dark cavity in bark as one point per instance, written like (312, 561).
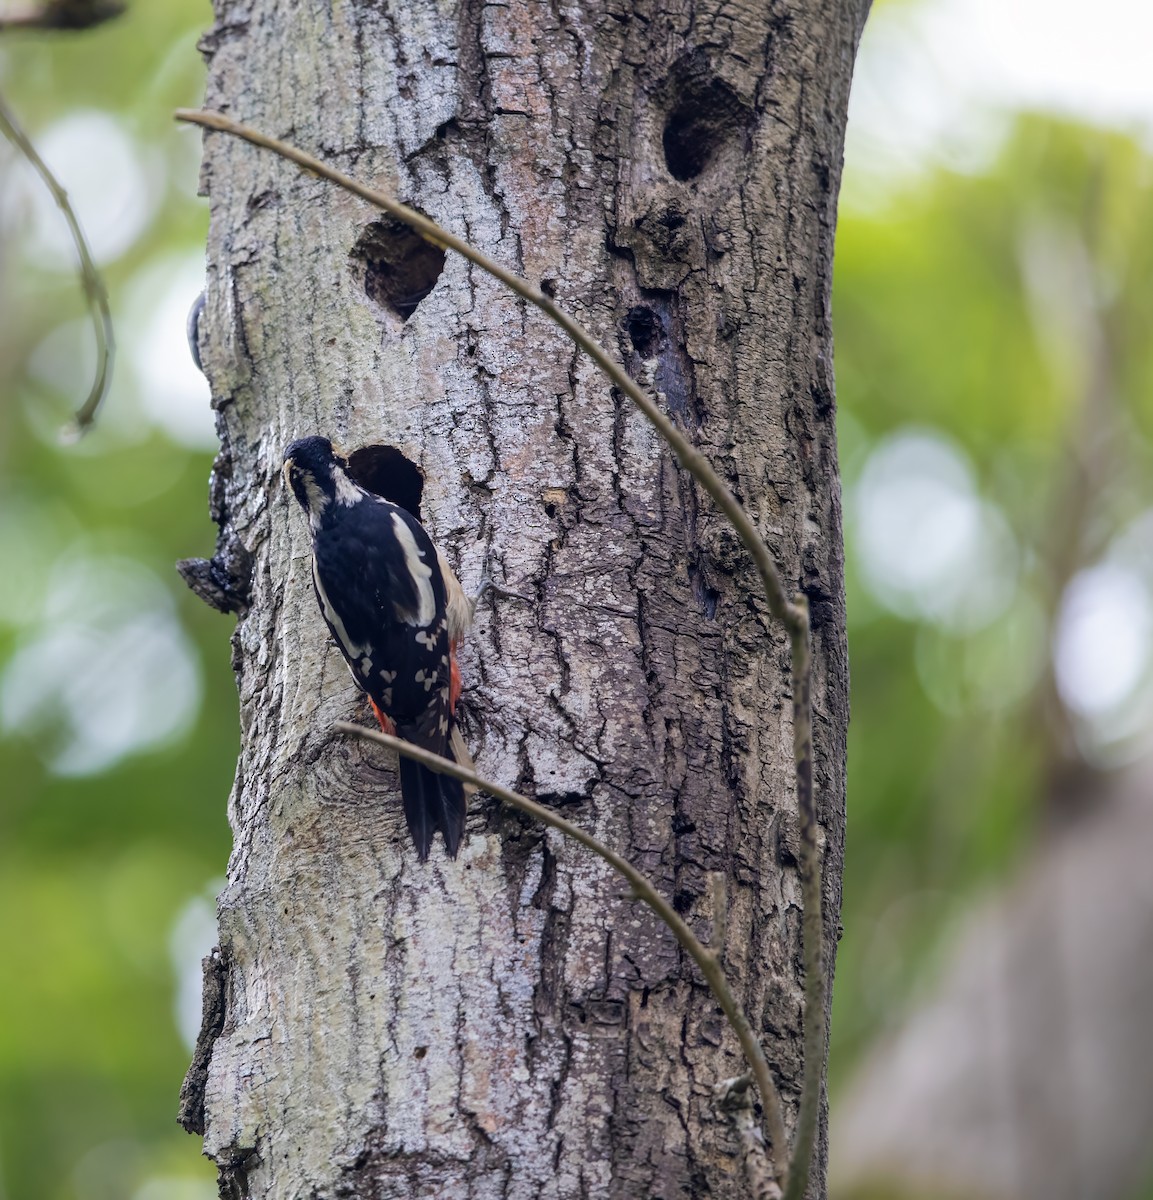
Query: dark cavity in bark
(385, 471)
(399, 268)
(705, 115)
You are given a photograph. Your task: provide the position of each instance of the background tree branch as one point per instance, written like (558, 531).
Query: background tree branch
(60, 14)
(95, 293)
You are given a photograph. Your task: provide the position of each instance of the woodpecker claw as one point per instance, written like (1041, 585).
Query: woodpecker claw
(487, 585)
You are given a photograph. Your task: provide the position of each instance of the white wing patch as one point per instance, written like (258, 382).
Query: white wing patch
(419, 571)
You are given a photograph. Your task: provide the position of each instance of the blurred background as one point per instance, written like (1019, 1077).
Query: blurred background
(118, 727)
(993, 302)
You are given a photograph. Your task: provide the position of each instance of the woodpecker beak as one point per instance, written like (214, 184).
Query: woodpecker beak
(286, 471)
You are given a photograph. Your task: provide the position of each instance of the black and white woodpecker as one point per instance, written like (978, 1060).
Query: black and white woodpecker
(397, 613)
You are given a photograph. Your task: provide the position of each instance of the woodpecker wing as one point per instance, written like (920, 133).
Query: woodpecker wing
(375, 573)
(458, 607)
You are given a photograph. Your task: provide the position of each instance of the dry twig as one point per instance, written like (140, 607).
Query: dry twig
(60, 14)
(94, 290)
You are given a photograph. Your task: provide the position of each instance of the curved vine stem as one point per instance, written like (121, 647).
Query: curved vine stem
(94, 290)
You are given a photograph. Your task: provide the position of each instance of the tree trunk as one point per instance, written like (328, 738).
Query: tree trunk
(508, 1024)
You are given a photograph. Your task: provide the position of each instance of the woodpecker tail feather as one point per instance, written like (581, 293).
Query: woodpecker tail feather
(432, 802)
(462, 757)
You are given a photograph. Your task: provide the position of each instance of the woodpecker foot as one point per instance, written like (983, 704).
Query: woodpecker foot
(386, 723)
(487, 586)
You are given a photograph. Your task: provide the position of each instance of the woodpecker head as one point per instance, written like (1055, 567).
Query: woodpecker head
(315, 472)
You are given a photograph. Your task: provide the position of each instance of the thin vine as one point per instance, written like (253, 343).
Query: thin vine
(95, 293)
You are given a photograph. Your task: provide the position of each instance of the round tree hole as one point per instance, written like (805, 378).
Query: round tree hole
(644, 329)
(385, 471)
(705, 114)
(400, 268)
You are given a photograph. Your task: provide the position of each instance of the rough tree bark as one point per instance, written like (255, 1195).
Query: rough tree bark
(508, 1024)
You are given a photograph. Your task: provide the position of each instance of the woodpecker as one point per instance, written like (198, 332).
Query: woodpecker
(397, 614)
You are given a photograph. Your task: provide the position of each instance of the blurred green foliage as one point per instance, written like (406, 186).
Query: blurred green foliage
(95, 869)
(1006, 312)
(1001, 315)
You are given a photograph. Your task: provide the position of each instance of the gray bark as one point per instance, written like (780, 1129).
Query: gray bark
(508, 1024)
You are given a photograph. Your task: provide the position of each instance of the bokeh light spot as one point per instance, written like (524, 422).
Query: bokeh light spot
(108, 673)
(192, 937)
(929, 546)
(174, 395)
(1103, 639)
(114, 195)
